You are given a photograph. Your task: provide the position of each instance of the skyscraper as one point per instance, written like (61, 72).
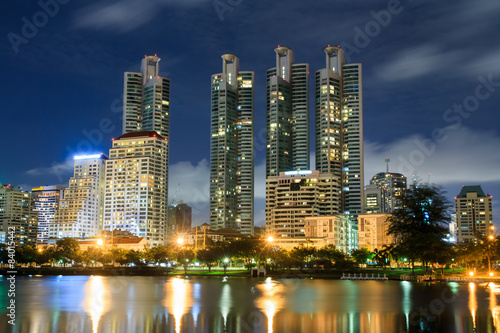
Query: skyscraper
(473, 213)
(136, 186)
(80, 212)
(339, 127)
(46, 201)
(287, 115)
(146, 102)
(146, 99)
(231, 148)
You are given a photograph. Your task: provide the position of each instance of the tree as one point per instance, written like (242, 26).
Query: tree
(209, 256)
(25, 254)
(360, 256)
(184, 256)
(92, 255)
(67, 249)
(158, 253)
(421, 222)
(133, 257)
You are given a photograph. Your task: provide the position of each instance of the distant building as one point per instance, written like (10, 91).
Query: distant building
(136, 186)
(17, 211)
(374, 199)
(204, 234)
(373, 231)
(46, 201)
(473, 213)
(80, 213)
(294, 195)
(179, 218)
(232, 148)
(453, 228)
(393, 185)
(337, 230)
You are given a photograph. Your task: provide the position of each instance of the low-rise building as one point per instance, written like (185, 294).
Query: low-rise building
(337, 230)
(373, 231)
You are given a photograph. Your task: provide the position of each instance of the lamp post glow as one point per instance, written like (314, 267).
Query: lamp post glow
(99, 241)
(270, 239)
(180, 241)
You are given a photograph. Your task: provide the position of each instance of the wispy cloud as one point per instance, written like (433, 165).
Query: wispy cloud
(61, 170)
(125, 15)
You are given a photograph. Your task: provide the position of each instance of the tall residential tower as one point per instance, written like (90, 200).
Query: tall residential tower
(231, 148)
(339, 127)
(287, 115)
(473, 214)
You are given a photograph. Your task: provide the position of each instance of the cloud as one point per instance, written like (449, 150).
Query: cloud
(62, 170)
(463, 156)
(125, 15)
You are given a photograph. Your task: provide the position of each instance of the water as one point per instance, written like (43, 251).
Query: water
(160, 304)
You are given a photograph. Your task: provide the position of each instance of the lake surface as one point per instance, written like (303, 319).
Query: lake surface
(216, 304)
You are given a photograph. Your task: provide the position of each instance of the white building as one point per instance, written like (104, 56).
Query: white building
(136, 186)
(294, 195)
(338, 230)
(81, 208)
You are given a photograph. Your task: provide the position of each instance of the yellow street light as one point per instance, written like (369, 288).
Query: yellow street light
(99, 241)
(492, 237)
(491, 273)
(270, 239)
(180, 241)
(471, 273)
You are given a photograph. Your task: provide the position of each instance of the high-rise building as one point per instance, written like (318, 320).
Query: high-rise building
(146, 99)
(80, 213)
(392, 186)
(287, 115)
(231, 148)
(146, 102)
(339, 127)
(17, 216)
(294, 195)
(136, 186)
(179, 218)
(46, 202)
(473, 213)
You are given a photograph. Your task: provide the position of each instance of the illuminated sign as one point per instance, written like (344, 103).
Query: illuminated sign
(299, 172)
(85, 157)
(37, 189)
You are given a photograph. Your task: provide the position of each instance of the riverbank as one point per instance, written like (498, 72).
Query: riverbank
(164, 271)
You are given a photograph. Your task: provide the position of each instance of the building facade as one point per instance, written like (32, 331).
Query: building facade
(17, 216)
(46, 201)
(179, 218)
(373, 231)
(473, 213)
(338, 230)
(339, 127)
(287, 115)
(80, 213)
(393, 186)
(374, 199)
(294, 195)
(136, 186)
(232, 148)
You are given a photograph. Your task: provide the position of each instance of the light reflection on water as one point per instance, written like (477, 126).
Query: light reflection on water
(157, 304)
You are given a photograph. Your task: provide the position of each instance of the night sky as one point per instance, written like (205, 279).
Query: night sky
(431, 81)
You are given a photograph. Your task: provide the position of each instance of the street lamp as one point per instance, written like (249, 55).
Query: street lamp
(270, 239)
(226, 261)
(180, 241)
(99, 241)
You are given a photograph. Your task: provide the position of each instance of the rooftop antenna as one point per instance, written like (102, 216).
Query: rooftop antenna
(387, 160)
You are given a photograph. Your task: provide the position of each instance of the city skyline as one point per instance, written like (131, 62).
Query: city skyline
(415, 69)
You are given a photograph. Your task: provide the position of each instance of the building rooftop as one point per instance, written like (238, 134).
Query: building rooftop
(140, 134)
(471, 188)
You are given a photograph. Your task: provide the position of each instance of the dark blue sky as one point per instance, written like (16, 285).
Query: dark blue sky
(62, 81)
